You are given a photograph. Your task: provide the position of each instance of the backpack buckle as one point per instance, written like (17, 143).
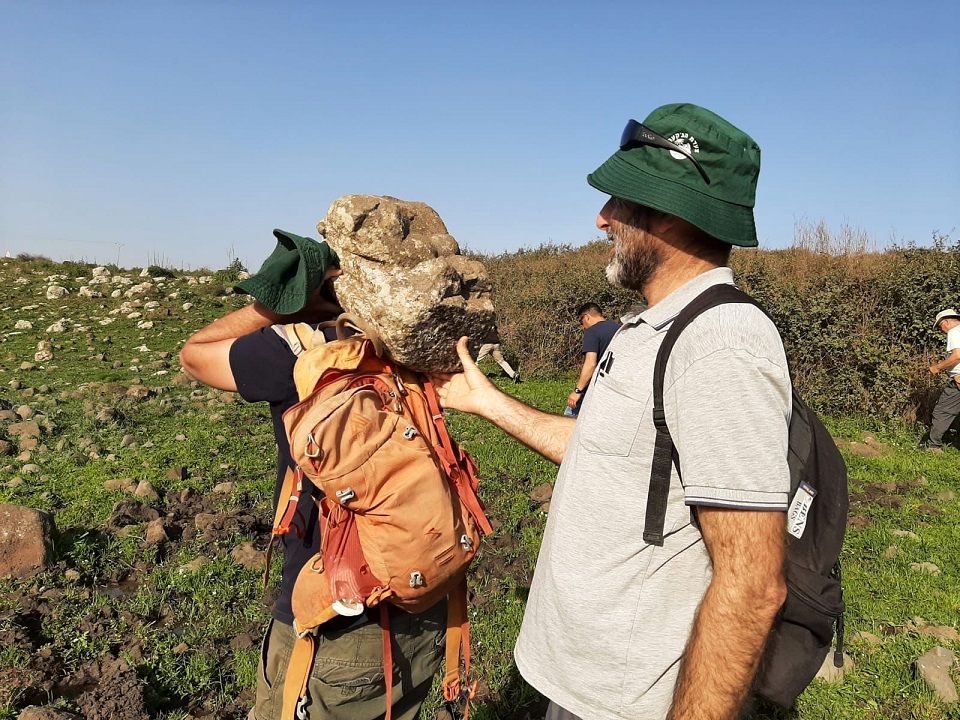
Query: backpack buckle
(302, 707)
(345, 495)
(416, 579)
(660, 418)
(410, 433)
(466, 543)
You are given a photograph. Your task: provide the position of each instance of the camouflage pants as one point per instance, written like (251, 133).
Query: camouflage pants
(347, 678)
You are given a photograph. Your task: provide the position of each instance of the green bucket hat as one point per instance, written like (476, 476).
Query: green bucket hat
(291, 274)
(670, 182)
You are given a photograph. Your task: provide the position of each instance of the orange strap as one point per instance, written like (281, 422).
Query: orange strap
(455, 470)
(387, 658)
(298, 674)
(284, 515)
(458, 642)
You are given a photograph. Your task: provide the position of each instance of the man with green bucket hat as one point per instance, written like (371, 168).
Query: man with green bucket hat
(248, 351)
(618, 625)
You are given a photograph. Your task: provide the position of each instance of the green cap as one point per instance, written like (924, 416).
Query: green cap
(669, 182)
(291, 274)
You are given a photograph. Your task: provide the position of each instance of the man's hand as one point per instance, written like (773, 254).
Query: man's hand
(572, 399)
(470, 390)
(934, 369)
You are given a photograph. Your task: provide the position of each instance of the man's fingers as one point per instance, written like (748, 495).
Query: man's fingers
(463, 350)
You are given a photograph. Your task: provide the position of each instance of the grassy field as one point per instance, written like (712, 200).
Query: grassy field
(113, 407)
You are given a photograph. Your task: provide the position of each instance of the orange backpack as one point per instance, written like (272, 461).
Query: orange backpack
(400, 519)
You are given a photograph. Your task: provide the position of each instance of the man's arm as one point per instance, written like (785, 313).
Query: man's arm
(952, 360)
(471, 392)
(735, 616)
(586, 373)
(206, 355)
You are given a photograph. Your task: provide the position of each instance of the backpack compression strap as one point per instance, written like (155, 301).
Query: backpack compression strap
(664, 451)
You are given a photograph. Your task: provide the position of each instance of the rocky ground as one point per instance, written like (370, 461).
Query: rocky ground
(140, 594)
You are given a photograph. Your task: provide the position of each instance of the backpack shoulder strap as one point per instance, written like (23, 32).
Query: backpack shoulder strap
(299, 337)
(664, 451)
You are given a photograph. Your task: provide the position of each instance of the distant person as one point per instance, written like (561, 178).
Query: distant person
(248, 351)
(491, 346)
(597, 334)
(948, 406)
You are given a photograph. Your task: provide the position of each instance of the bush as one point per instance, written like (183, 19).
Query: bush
(857, 324)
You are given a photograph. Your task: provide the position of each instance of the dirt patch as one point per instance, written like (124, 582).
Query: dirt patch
(106, 689)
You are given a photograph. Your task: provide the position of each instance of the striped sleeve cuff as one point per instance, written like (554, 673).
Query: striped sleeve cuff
(731, 498)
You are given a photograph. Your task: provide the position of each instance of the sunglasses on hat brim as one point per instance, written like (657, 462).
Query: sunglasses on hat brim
(639, 134)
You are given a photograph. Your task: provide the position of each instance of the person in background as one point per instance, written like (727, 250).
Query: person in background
(597, 334)
(491, 346)
(948, 405)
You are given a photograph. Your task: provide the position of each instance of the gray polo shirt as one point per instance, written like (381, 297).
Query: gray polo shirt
(608, 615)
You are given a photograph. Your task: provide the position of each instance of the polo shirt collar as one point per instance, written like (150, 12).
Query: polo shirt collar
(663, 313)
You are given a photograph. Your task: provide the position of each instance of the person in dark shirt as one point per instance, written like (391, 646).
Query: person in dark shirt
(245, 352)
(597, 334)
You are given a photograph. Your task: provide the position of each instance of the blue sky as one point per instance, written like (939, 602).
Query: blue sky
(184, 132)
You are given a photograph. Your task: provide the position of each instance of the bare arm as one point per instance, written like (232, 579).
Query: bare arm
(471, 392)
(206, 355)
(586, 373)
(735, 616)
(950, 361)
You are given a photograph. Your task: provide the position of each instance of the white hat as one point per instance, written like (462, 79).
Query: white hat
(944, 314)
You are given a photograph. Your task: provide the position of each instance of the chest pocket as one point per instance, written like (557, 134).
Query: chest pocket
(611, 422)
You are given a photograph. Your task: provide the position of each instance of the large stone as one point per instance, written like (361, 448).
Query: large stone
(26, 540)
(46, 713)
(404, 276)
(934, 669)
(830, 673)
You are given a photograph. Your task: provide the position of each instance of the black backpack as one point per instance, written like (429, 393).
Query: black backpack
(802, 633)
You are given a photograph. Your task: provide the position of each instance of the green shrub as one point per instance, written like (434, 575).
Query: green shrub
(857, 324)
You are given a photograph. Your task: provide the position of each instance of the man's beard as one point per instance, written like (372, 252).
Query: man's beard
(635, 258)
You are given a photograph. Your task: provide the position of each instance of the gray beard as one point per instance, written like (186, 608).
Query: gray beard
(632, 268)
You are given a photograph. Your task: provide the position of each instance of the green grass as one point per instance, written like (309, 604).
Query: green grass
(233, 441)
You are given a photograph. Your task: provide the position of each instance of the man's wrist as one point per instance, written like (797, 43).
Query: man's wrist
(578, 391)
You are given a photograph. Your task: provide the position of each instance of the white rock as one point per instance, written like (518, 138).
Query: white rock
(116, 293)
(187, 305)
(44, 351)
(21, 281)
(830, 673)
(134, 315)
(88, 293)
(152, 305)
(145, 325)
(57, 327)
(107, 321)
(56, 291)
(144, 273)
(100, 271)
(23, 325)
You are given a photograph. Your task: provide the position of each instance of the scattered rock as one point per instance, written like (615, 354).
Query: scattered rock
(905, 534)
(156, 534)
(945, 496)
(127, 440)
(940, 632)
(23, 325)
(224, 488)
(55, 292)
(542, 493)
(868, 638)
(178, 473)
(246, 555)
(72, 575)
(892, 552)
(934, 669)
(44, 351)
(31, 468)
(106, 415)
(242, 642)
(127, 485)
(181, 649)
(830, 673)
(145, 490)
(193, 565)
(203, 521)
(859, 521)
(857, 448)
(25, 412)
(926, 567)
(27, 428)
(26, 540)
